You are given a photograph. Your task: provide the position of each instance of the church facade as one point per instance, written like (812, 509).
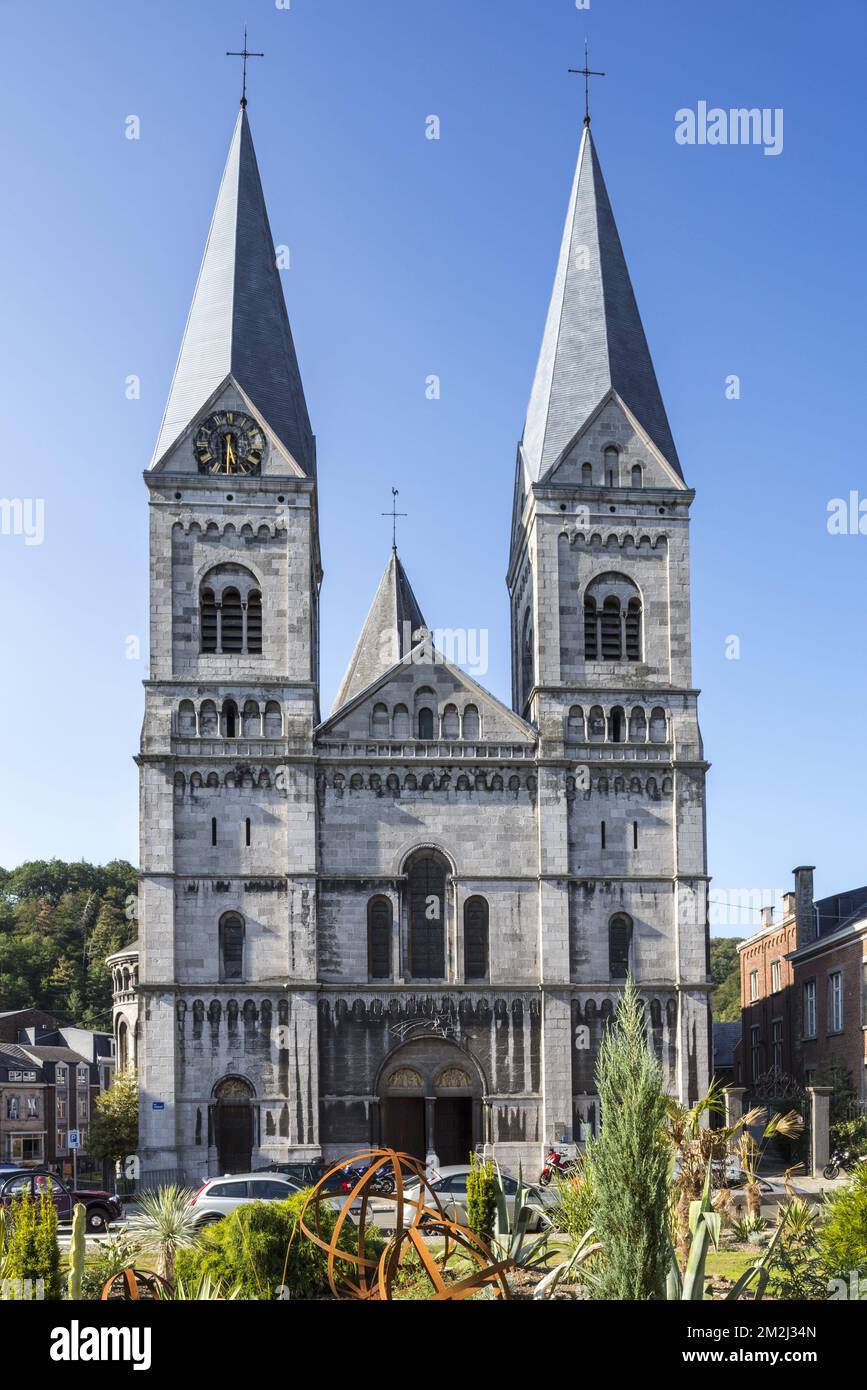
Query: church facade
(409, 920)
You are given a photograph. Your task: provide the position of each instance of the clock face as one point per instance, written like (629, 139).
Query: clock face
(228, 442)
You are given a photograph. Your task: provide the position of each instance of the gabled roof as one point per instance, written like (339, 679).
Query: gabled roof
(238, 323)
(387, 634)
(594, 339)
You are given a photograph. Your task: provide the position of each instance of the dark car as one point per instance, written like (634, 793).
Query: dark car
(101, 1208)
(304, 1174)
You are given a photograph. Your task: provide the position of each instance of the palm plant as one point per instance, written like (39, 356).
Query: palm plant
(705, 1225)
(166, 1222)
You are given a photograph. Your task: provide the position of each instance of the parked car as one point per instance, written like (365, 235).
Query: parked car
(305, 1174)
(101, 1208)
(218, 1197)
(450, 1186)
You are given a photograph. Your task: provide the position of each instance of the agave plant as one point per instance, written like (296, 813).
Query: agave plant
(205, 1289)
(512, 1239)
(165, 1221)
(584, 1250)
(705, 1225)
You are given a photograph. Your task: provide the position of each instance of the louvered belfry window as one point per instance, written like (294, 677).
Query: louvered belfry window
(230, 611)
(209, 621)
(232, 946)
(232, 621)
(379, 919)
(254, 622)
(427, 880)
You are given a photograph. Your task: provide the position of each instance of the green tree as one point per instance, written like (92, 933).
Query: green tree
(725, 971)
(481, 1198)
(114, 1123)
(629, 1163)
(32, 1252)
(843, 1238)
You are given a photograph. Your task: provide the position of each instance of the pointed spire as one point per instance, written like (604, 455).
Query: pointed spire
(238, 323)
(387, 634)
(594, 339)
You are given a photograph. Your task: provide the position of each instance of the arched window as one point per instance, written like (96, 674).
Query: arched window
(617, 725)
(379, 722)
(208, 724)
(451, 722)
(637, 725)
(575, 724)
(232, 621)
(232, 947)
(637, 477)
(612, 467)
(187, 719)
(229, 719)
(252, 725)
(379, 918)
(427, 879)
(230, 611)
(254, 622)
(476, 939)
(209, 621)
(401, 721)
(426, 723)
(273, 720)
(597, 724)
(586, 475)
(472, 722)
(612, 619)
(619, 946)
(658, 725)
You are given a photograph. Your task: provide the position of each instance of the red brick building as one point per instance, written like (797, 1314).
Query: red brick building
(804, 989)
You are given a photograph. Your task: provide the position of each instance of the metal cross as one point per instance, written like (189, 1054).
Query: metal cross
(245, 54)
(586, 72)
(394, 514)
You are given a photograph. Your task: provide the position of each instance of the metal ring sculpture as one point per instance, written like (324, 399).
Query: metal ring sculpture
(131, 1285)
(358, 1273)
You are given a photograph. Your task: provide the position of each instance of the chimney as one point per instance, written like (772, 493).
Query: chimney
(767, 917)
(805, 917)
(789, 904)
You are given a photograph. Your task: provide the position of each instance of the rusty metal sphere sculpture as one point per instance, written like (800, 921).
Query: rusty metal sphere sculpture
(130, 1285)
(356, 1268)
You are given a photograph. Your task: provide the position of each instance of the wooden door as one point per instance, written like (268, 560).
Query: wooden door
(403, 1124)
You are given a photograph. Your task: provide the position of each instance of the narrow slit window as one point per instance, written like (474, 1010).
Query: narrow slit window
(602, 834)
(213, 830)
(635, 834)
(248, 830)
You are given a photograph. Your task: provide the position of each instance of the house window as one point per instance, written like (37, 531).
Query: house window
(755, 1053)
(232, 947)
(12, 1108)
(619, 944)
(60, 1077)
(754, 984)
(835, 1002)
(776, 976)
(379, 919)
(810, 1009)
(476, 939)
(61, 1107)
(60, 1141)
(25, 1148)
(33, 1107)
(777, 1043)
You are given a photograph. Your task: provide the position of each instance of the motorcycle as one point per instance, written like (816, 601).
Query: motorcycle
(557, 1164)
(381, 1185)
(842, 1160)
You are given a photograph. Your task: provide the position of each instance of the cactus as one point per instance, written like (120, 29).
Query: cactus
(76, 1251)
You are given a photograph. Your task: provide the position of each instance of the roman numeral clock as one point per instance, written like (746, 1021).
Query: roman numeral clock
(228, 442)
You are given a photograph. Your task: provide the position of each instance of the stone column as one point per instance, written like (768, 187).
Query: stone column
(734, 1099)
(820, 1127)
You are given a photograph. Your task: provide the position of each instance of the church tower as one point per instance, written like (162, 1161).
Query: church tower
(601, 657)
(228, 845)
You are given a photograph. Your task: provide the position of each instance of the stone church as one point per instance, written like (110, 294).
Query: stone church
(409, 920)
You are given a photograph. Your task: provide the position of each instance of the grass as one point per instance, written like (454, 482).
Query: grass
(730, 1264)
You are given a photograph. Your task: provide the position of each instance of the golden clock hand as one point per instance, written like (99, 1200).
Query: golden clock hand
(230, 456)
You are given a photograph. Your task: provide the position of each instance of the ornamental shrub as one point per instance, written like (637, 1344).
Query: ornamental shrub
(481, 1198)
(32, 1251)
(843, 1238)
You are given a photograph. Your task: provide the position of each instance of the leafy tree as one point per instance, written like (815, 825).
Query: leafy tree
(629, 1163)
(725, 971)
(114, 1124)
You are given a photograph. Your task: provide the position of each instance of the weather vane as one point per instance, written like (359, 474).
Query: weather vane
(394, 514)
(245, 54)
(586, 72)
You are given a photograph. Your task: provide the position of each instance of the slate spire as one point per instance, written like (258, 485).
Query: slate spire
(388, 632)
(238, 323)
(594, 339)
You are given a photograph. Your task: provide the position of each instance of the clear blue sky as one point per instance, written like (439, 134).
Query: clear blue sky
(411, 257)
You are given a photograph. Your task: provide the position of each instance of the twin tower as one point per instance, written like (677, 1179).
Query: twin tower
(409, 920)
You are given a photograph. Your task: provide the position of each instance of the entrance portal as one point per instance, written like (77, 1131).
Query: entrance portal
(403, 1125)
(233, 1125)
(453, 1129)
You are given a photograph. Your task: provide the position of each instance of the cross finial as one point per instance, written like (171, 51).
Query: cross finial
(394, 514)
(245, 54)
(586, 72)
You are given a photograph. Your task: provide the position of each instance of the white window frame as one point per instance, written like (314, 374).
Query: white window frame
(776, 976)
(809, 1009)
(754, 986)
(835, 1001)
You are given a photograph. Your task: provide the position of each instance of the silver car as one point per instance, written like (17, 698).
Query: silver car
(219, 1197)
(450, 1186)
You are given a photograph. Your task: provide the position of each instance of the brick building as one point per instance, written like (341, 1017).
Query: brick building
(50, 1075)
(804, 989)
